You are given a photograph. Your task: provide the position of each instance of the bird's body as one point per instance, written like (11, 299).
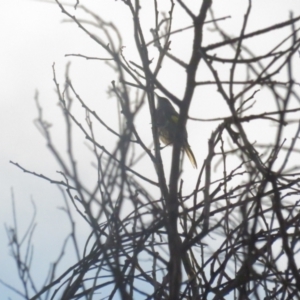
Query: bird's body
(167, 122)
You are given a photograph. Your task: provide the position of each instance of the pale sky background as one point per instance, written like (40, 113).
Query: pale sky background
(32, 38)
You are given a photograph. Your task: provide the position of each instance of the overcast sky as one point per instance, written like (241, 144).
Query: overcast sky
(33, 37)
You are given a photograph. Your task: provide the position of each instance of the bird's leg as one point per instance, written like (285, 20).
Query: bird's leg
(163, 147)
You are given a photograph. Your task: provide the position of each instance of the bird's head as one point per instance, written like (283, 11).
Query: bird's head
(163, 103)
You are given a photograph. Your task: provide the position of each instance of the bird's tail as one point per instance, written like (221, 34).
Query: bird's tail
(190, 155)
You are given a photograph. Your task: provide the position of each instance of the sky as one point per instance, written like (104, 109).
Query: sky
(33, 37)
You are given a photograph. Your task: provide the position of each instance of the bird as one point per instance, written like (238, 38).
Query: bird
(167, 120)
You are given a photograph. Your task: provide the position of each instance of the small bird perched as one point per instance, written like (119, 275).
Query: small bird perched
(167, 121)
